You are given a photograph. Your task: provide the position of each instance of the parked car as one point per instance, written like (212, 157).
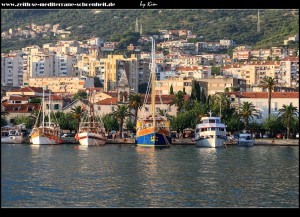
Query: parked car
(279, 136)
(266, 136)
(297, 135)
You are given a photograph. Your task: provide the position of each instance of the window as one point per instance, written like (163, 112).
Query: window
(275, 106)
(17, 101)
(15, 108)
(30, 109)
(56, 106)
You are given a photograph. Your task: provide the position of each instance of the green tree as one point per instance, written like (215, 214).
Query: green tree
(268, 83)
(287, 113)
(171, 90)
(178, 100)
(215, 70)
(22, 119)
(135, 103)
(77, 113)
(80, 95)
(110, 122)
(247, 112)
(121, 112)
(272, 125)
(97, 82)
(3, 117)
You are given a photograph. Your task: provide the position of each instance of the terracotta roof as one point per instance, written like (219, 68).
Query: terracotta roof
(23, 108)
(30, 89)
(54, 97)
(22, 98)
(265, 94)
(293, 59)
(108, 101)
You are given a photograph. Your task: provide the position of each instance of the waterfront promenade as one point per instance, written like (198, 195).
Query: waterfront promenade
(187, 141)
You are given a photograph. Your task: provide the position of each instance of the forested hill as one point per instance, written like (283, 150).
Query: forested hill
(239, 25)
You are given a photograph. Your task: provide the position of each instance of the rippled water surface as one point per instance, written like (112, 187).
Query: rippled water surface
(129, 176)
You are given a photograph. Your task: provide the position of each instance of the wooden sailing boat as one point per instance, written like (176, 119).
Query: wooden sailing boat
(154, 130)
(91, 132)
(45, 133)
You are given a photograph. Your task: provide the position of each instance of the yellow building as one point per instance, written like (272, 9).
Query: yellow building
(113, 68)
(88, 64)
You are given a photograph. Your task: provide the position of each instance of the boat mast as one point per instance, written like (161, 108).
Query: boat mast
(153, 82)
(49, 109)
(43, 122)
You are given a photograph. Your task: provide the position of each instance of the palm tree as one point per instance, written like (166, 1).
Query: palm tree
(77, 113)
(287, 112)
(247, 112)
(135, 103)
(178, 100)
(121, 112)
(268, 83)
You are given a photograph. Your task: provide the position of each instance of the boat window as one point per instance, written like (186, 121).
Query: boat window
(203, 129)
(221, 129)
(212, 121)
(12, 132)
(213, 129)
(205, 121)
(197, 130)
(218, 121)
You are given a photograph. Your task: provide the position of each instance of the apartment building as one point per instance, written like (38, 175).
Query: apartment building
(12, 69)
(114, 66)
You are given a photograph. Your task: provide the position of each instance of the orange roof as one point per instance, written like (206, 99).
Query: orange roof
(23, 108)
(30, 89)
(22, 98)
(108, 101)
(264, 95)
(293, 59)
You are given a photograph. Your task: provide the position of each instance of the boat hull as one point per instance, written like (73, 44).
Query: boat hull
(210, 142)
(14, 139)
(150, 138)
(91, 139)
(40, 138)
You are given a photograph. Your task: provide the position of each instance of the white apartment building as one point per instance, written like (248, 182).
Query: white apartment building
(12, 69)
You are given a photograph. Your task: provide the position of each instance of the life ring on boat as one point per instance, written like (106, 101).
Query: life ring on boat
(76, 136)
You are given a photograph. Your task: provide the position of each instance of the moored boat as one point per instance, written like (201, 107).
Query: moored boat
(211, 132)
(153, 130)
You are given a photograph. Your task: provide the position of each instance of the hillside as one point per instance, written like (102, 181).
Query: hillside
(239, 25)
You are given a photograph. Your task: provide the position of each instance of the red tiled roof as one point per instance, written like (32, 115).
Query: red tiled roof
(109, 101)
(54, 97)
(23, 108)
(30, 89)
(265, 94)
(293, 59)
(22, 98)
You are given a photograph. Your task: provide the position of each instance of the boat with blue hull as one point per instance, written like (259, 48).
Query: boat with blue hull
(153, 130)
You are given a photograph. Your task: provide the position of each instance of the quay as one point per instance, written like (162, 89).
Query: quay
(187, 141)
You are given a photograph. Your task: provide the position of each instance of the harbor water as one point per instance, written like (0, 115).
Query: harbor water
(130, 176)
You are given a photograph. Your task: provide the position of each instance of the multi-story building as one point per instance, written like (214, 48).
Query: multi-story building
(260, 101)
(63, 84)
(289, 71)
(12, 69)
(178, 84)
(114, 66)
(215, 85)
